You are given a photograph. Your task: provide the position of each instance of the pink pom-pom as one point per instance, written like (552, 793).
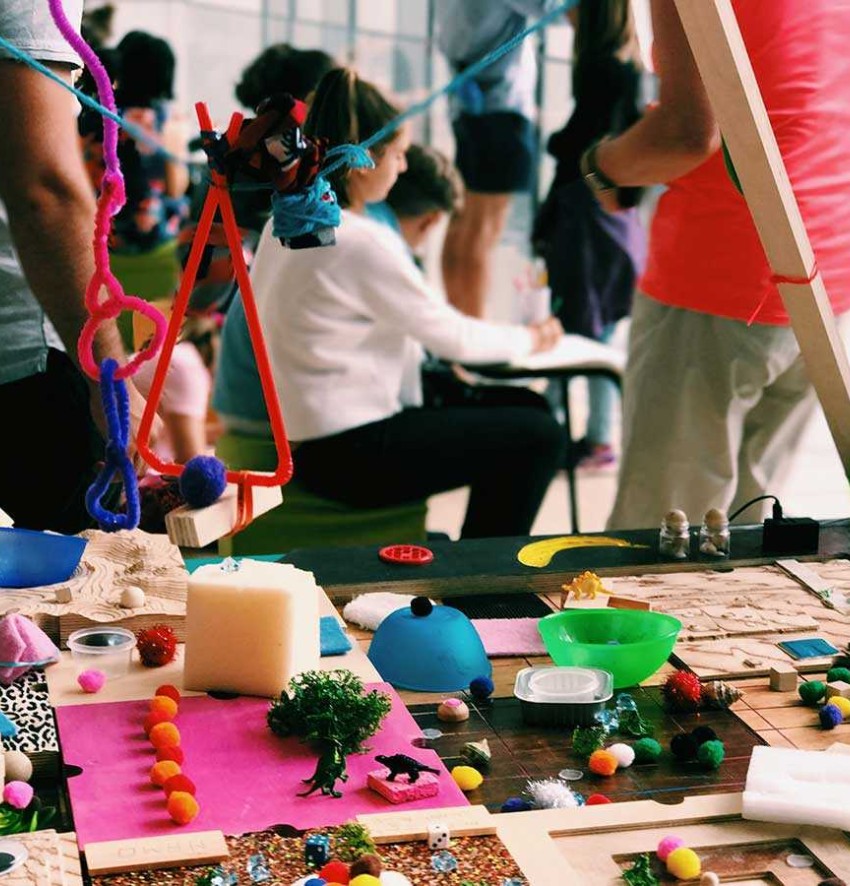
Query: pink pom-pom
(92, 680)
(667, 845)
(18, 794)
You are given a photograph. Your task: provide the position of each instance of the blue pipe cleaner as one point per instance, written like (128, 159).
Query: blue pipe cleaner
(116, 406)
(308, 211)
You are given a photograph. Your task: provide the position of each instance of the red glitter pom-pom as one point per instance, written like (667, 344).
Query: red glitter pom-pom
(683, 691)
(156, 645)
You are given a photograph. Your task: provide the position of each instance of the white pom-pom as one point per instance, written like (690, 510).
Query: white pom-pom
(132, 597)
(18, 766)
(551, 793)
(624, 753)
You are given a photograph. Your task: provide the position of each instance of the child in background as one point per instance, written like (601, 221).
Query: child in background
(594, 258)
(345, 328)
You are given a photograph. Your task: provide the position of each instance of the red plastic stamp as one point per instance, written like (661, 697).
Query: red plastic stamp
(407, 555)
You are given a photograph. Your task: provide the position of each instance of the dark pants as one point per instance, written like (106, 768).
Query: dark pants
(506, 454)
(49, 449)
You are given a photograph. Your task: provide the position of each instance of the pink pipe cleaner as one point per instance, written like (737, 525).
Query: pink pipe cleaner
(111, 200)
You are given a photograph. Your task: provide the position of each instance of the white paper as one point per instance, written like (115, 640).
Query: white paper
(575, 352)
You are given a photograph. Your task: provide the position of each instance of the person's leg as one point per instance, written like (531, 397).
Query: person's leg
(472, 235)
(49, 450)
(772, 431)
(601, 393)
(682, 424)
(507, 455)
(495, 157)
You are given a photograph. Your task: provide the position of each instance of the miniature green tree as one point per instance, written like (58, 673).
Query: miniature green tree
(329, 706)
(331, 710)
(351, 841)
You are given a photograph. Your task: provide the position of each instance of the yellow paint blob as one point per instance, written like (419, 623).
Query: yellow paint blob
(467, 778)
(540, 553)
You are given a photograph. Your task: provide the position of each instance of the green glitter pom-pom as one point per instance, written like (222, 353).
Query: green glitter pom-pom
(647, 750)
(835, 675)
(588, 739)
(711, 754)
(812, 692)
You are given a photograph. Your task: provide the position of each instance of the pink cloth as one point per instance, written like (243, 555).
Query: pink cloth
(509, 636)
(21, 640)
(247, 778)
(705, 253)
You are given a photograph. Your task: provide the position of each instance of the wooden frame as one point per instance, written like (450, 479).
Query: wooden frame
(558, 846)
(721, 56)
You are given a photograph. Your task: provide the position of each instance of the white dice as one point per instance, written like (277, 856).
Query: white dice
(438, 836)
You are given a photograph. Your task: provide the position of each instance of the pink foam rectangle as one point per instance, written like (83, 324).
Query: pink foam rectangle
(403, 791)
(247, 778)
(509, 636)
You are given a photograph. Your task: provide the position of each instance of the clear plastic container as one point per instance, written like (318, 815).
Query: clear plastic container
(674, 539)
(714, 535)
(108, 649)
(562, 696)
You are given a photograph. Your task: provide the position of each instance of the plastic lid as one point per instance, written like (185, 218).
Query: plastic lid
(563, 685)
(101, 640)
(408, 555)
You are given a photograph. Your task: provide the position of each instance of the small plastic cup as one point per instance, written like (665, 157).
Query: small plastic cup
(109, 649)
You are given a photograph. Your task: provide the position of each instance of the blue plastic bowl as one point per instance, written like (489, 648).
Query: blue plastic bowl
(29, 559)
(438, 652)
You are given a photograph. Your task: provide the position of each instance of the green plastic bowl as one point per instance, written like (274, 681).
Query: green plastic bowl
(631, 644)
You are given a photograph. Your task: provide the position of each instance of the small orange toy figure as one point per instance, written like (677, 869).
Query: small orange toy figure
(585, 586)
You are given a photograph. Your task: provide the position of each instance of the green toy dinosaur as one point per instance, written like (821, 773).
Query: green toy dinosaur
(330, 769)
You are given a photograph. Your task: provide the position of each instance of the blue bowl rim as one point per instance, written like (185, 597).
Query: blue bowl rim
(565, 614)
(20, 530)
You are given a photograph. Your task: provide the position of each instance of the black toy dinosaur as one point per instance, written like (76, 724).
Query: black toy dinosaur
(329, 770)
(401, 764)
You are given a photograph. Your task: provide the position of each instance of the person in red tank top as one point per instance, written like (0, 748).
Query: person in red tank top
(712, 358)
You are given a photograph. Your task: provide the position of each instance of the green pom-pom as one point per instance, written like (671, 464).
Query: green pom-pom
(647, 750)
(812, 691)
(588, 739)
(711, 754)
(834, 675)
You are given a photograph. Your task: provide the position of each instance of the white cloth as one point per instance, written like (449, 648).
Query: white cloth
(339, 322)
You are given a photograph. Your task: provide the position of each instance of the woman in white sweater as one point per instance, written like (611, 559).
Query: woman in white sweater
(346, 327)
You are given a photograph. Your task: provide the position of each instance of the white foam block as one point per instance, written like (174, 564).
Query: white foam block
(798, 787)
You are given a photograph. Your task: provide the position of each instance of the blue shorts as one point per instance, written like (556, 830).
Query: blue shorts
(495, 151)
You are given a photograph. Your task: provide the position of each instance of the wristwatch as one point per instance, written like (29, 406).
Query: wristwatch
(594, 177)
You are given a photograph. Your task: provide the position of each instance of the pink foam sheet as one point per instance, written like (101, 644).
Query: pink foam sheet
(509, 636)
(246, 777)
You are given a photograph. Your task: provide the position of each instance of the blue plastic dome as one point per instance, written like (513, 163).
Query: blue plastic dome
(436, 651)
(29, 558)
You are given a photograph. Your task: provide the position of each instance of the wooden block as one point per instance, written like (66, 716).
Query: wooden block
(151, 853)
(427, 785)
(407, 827)
(838, 687)
(198, 527)
(783, 678)
(628, 603)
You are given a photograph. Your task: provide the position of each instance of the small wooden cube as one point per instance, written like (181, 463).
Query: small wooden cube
(838, 687)
(783, 678)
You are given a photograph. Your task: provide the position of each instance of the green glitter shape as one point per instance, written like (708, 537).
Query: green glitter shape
(640, 873)
(587, 739)
(631, 723)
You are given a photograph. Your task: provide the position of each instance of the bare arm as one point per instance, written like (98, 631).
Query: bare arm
(679, 133)
(188, 435)
(175, 139)
(51, 207)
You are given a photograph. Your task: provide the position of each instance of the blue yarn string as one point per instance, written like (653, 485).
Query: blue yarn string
(457, 81)
(116, 407)
(305, 212)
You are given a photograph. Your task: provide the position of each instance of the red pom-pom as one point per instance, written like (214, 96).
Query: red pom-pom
(683, 691)
(592, 800)
(171, 752)
(335, 872)
(178, 782)
(168, 691)
(156, 645)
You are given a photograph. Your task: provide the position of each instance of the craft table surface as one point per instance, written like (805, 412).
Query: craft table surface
(141, 682)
